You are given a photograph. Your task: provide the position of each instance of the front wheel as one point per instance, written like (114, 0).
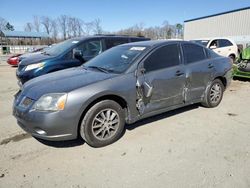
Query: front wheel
(214, 94)
(103, 124)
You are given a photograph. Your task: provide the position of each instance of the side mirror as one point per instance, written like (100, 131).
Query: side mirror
(142, 70)
(78, 55)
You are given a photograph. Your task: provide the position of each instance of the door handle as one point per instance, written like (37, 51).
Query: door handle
(210, 65)
(178, 73)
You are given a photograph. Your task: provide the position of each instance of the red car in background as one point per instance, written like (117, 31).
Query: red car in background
(14, 60)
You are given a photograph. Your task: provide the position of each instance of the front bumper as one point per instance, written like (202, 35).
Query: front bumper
(23, 77)
(54, 126)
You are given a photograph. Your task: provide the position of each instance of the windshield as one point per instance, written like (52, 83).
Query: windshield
(59, 48)
(117, 59)
(202, 42)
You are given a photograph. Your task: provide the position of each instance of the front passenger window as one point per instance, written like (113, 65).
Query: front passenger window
(214, 44)
(89, 49)
(163, 57)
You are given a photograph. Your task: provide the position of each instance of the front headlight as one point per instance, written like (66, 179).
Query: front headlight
(51, 102)
(34, 66)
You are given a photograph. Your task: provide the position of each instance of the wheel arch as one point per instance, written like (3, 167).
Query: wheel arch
(120, 100)
(232, 55)
(223, 80)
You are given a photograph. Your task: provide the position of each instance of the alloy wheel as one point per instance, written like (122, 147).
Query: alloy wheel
(215, 93)
(105, 124)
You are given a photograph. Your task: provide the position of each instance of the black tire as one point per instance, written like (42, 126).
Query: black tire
(99, 118)
(213, 94)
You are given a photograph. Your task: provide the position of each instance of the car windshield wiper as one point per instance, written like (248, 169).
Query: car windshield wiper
(99, 68)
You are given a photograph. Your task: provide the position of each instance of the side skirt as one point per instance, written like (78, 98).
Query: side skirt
(150, 114)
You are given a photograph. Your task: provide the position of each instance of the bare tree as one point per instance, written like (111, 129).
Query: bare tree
(36, 23)
(97, 28)
(28, 27)
(54, 30)
(136, 30)
(62, 20)
(165, 29)
(71, 25)
(47, 23)
(88, 27)
(3, 23)
(151, 32)
(169, 33)
(79, 26)
(68, 26)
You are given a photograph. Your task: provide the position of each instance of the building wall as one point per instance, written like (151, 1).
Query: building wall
(235, 25)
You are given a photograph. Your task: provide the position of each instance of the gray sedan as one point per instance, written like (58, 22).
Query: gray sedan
(121, 86)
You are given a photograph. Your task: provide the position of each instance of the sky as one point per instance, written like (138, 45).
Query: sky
(116, 14)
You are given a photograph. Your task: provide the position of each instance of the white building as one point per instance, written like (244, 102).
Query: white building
(233, 24)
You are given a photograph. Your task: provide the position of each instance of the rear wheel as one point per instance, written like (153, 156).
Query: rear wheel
(213, 94)
(103, 124)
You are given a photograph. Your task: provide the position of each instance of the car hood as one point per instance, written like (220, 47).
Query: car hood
(63, 81)
(32, 58)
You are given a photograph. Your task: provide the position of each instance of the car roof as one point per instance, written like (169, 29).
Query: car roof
(106, 36)
(213, 38)
(152, 43)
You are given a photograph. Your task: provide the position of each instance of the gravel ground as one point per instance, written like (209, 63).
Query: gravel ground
(189, 147)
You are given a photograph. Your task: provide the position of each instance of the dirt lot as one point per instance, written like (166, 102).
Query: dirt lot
(189, 147)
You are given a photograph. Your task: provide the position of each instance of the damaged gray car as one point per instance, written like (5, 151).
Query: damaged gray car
(121, 86)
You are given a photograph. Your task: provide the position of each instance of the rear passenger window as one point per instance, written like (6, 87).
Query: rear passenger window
(193, 53)
(111, 42)
(163, 57)
(224, 43)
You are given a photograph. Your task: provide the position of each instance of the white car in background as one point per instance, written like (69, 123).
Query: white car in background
(222, 46)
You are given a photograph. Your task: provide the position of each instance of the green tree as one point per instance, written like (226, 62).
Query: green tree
(179, 29)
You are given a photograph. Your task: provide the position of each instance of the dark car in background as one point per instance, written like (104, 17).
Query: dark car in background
(122, 85)
(67, 54)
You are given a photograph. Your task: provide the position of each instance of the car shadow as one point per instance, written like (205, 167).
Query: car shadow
(149, 120)
(242, 79)
(62, 144)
